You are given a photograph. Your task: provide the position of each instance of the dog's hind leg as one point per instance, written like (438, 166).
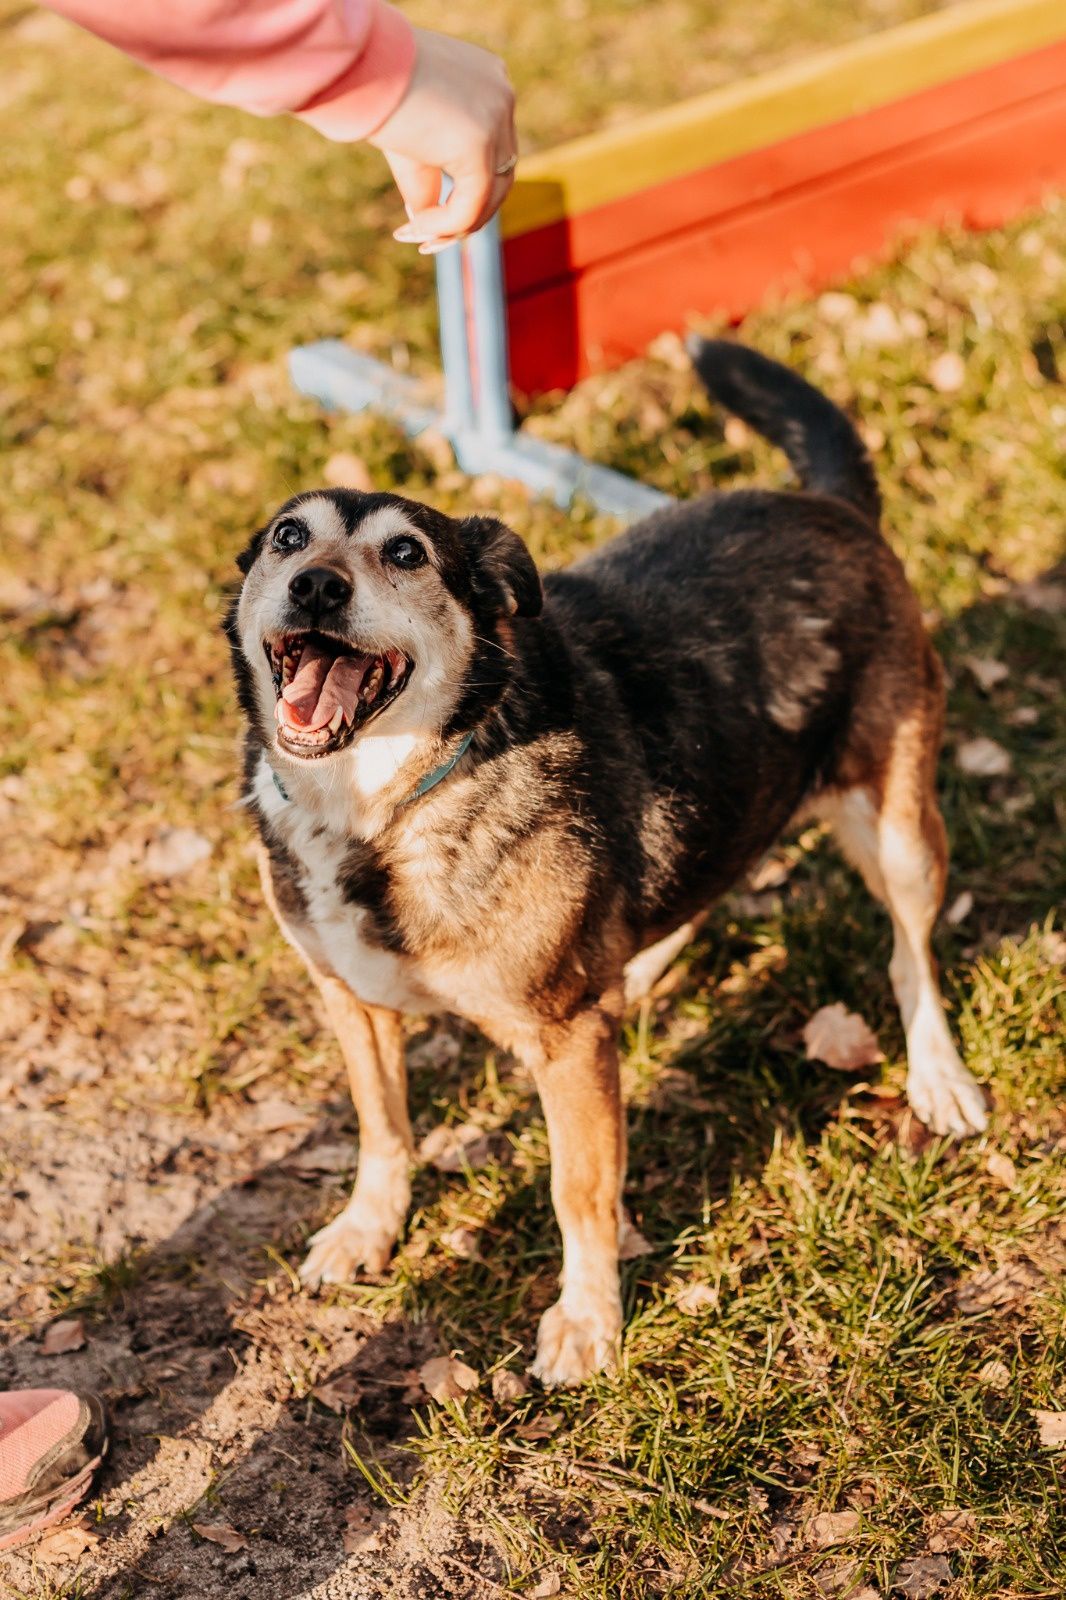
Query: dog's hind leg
(364, 1233)
(579, 1089)
(893, 833)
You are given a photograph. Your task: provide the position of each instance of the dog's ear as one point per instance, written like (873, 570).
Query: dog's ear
(501, 567)
(250, 554)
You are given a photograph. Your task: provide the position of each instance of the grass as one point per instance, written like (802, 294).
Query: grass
(157, 260)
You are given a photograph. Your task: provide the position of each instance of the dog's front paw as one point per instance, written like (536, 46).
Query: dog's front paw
(343, 1246)
(573, 1343)
(949, 1101)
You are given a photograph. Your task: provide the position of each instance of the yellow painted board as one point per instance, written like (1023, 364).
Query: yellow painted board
(761, 111)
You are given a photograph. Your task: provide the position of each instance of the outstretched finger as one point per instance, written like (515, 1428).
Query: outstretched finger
(419, 184)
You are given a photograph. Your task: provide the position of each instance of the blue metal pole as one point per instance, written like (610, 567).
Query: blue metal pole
(495, 418)
(459, 412)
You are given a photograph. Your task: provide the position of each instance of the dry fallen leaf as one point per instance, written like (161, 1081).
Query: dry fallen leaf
(922, 1576)
(541, 1427)
(63, 1336)
(462, 1242)
(1002, 1168)
(952, 1530)
(65, 1544)
(947, 373)
(173, 852)
(450, 1149)
(322, 1158)
(548, 1586)
(445, 1378)
(832, 1527)
(840, 1039)
(1052, 1427)
(959, 909)
(507, 1387)
(1023, 717)
(986, 670)
(340, 1393)
(696, 1298)
(987, 1290)
(983, 758)
(345, 470)
(994, 1375)
(633, 1244)
(270, 1116)
(223, 1534)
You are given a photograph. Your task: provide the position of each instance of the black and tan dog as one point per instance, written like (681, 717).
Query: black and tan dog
(506, 799)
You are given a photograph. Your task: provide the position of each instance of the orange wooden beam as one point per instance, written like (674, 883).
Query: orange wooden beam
(590, 291)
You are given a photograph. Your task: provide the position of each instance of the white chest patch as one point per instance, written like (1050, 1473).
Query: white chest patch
(334, 935)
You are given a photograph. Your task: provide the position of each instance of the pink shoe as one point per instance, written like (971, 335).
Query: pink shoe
(51, 1443)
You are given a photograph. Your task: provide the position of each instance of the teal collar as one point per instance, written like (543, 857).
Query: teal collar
(430, 781)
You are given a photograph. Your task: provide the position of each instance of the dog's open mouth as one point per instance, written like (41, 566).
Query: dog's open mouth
(327, 689)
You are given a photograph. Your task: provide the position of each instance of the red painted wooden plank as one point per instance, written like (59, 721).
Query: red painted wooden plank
(981, 173)
(537, 258)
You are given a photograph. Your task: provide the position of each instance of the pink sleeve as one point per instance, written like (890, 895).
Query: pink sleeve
(341, 65)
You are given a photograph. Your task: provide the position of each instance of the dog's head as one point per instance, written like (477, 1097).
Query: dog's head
(361, 610)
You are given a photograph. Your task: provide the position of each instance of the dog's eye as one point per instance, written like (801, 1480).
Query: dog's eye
(289, 536)
(405, 553)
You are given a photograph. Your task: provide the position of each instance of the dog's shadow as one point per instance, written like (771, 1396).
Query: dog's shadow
(215, 1353)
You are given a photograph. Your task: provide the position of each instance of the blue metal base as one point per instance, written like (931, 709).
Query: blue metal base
(342, 380)
(477, 416)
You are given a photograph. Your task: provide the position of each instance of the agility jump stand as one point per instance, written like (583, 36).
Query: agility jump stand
(784, 181)
(478, 418)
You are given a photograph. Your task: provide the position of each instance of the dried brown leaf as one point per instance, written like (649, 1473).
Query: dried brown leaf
(548, 1586)
(633, 1245)
(445, 1378)
(507, 1387)
(832, 1527)
(322, 1158)
(450, 1149)
(174, 852)
(988, 1290)
(221, 1533)
(959, 909)
(952, 1530)
(994, 1375)
(340, 1393)
(696, 1298)
(983, 758)
(463, 1242)
(65, 1544)
(986, 670)
(1002, 1168)
(840, 1039)
(1052, 1428)
(63, 1336)
(922, 1576)
(541, 1427)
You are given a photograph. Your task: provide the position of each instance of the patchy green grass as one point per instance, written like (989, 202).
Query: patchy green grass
(157, 260)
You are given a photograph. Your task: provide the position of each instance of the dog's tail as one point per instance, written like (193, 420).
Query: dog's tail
(825, 451)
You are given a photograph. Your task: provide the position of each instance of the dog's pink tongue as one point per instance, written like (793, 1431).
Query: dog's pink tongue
(322, 683)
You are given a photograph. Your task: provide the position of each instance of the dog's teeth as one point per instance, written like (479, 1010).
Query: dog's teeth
(336, 719)
(373, 683)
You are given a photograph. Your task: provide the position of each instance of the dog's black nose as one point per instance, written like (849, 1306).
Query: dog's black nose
(319, 590)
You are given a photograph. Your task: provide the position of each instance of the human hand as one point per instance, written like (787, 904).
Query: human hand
(457, 117)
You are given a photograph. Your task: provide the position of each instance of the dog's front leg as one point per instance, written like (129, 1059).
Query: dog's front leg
(579, 1089)
(365, 1232)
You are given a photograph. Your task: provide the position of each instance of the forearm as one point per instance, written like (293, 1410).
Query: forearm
(341, 65)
